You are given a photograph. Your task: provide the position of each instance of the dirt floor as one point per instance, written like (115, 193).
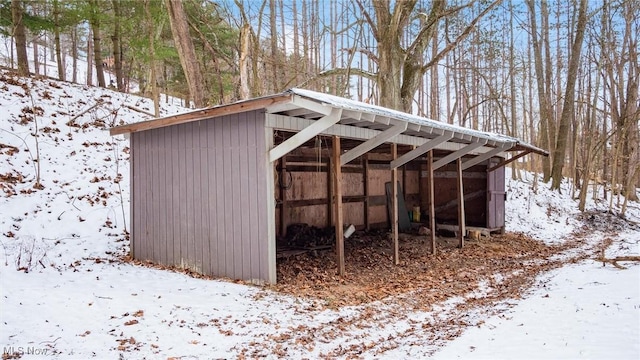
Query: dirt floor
(508, 261)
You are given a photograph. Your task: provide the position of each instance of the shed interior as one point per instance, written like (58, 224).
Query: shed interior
(304, 193)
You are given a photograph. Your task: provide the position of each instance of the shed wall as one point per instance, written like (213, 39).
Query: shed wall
(199, 196)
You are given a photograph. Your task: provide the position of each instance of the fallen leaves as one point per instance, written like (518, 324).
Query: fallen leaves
(372, 276)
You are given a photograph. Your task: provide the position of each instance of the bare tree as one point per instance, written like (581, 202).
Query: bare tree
(186, 51)
(569, 96)
(400, 69)
(542, 87)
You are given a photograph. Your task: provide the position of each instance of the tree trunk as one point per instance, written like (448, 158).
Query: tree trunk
(515, 173)
(36, 55)
(19, 33)
(274, 46)
(74, 54)
(153, 77)
(97, 46)
(568, 106)
(117, 48)
(590, 129)
(245, 45)
(56, 38)
(543, 100)
(186, 51)
(89, 59)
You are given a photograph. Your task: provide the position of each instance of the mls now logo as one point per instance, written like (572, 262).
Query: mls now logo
(9, 351)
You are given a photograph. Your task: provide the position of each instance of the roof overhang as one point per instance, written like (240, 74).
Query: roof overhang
(309, 113)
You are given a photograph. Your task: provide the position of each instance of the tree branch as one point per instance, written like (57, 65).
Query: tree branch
(372, 24)
(460, 37)
(345, 71)
(614, 261)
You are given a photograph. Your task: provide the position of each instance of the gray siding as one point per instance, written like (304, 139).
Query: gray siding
(496, 193)
(199, 196)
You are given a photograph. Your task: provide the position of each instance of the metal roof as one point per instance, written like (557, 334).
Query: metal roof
(311, 113)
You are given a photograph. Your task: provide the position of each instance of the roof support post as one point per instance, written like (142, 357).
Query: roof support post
(337, 181)
(432, 209)
(484, 156)
(421, 150)
(305, 134)
(394, 205)
(458, 154)
(270, 274)
(461, 220)
(373, 143)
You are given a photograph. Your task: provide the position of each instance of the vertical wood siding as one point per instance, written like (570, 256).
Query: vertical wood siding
(199, 196)
(496, 193)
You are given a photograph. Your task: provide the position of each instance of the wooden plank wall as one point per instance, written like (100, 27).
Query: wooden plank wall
(199, 196)
(474, 182)
(305, 187)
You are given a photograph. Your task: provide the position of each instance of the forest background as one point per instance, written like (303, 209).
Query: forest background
(562, 75)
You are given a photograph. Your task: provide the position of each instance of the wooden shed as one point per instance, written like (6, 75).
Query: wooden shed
(212, 189)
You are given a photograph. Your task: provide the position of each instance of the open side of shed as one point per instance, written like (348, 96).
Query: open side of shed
(207, 185)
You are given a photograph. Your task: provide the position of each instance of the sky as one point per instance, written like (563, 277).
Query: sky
(65, 293)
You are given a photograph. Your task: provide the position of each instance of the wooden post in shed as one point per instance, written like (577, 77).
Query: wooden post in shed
(461, 219)
(337, 181)
(394, 205)
(432, 207)
(365, 179)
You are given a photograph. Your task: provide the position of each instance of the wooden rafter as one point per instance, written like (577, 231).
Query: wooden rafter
(373, 143)
(484, 156)
(508, 161)
(431, 144)
(305, 134)
(457, 154)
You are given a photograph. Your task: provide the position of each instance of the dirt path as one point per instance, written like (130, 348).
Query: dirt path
(426, 301)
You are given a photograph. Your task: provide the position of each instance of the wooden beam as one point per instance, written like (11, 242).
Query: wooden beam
(311, 105)
(270, 225)
(337, 174)
(457, 154)
(394, 202)
(201, 114)
(432, 211)
(460, 189)
(373, 143)
(467, 197)
(365, 180)
(511, 159)
(431, 144)
(293, 124)
(305, 134)
(484, 156)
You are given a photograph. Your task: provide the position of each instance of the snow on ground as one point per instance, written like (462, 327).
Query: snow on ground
(64, 293)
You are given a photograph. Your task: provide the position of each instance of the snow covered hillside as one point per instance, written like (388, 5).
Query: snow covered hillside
(66, 292)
